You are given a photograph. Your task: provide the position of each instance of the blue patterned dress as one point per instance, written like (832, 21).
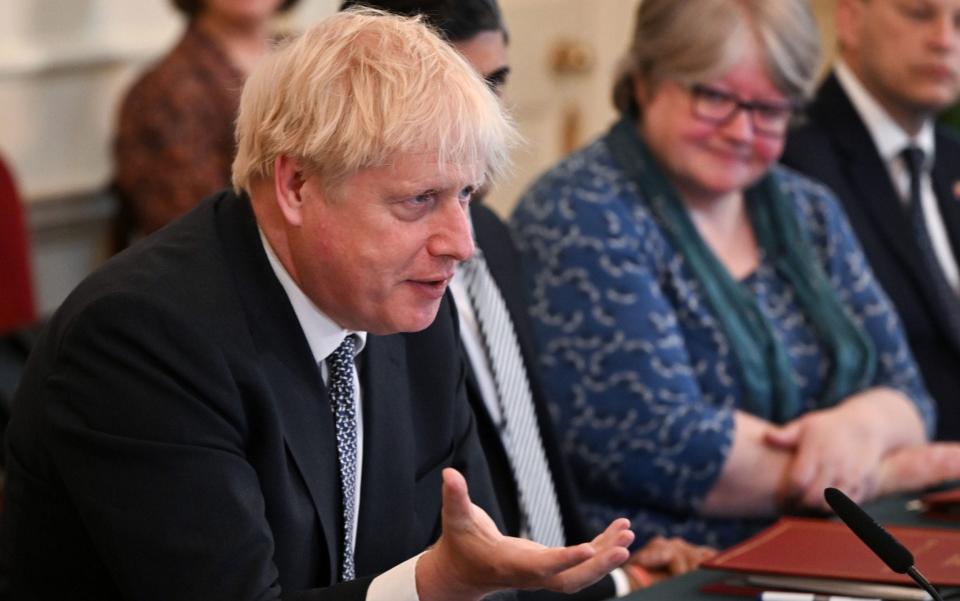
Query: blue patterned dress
(641, 380)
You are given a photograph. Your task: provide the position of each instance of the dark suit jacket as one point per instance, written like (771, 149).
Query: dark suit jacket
(834, 146)
(494, 240)
(171, 438)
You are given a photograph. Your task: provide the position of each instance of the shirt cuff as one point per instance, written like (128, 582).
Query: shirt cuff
(398, 583)
(621, 584)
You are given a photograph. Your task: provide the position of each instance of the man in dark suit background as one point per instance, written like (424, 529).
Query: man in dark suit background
(230, 409)
(899, 65)
(476, 29)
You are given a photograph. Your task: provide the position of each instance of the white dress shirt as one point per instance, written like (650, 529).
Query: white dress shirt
(324, 336)
(890, 140)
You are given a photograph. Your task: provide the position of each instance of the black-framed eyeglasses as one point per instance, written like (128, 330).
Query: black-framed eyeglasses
(720, 107)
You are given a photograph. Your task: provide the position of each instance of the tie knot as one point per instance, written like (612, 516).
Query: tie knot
(344, 353)
(913, 156)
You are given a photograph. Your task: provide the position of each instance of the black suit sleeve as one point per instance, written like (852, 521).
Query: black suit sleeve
(145, 429)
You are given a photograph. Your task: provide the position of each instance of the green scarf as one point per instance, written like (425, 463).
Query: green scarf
(770, 390)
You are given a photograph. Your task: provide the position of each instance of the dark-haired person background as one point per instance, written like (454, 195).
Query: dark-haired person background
(174, 141)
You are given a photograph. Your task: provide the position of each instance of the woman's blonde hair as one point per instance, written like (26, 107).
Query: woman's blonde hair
(359, 88)
(697, 40)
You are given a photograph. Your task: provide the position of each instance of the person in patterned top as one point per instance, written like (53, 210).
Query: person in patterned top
(714, 343)
(174, 142)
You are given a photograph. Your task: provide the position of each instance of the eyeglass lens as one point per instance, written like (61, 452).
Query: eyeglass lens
(718, 106)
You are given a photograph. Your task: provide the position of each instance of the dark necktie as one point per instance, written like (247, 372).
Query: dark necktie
(343, 401)
(946, 297)
(539, 508)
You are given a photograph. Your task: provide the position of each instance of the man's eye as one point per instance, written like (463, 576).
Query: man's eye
(421, 199)
(467, 193)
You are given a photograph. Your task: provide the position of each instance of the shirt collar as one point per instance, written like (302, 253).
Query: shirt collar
(322, 333)
(889, 138)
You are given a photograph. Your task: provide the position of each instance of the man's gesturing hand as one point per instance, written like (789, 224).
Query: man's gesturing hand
(473, 559)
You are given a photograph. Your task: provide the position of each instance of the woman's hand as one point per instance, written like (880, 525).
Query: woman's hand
(844, 446)
(918, 467)
(662, 558)
(828, 451)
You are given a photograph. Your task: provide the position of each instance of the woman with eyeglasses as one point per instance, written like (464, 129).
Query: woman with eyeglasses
(714, 343)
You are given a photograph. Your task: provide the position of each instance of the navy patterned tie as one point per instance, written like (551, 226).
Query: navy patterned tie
(539, 508)
(946, 297)
(343, 401)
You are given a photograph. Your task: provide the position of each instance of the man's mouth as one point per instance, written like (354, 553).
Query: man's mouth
(433, 286)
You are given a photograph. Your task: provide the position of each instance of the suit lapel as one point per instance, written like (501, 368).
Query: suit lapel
(387, 457)
(866, 172)
(945, 188)
(288, 364)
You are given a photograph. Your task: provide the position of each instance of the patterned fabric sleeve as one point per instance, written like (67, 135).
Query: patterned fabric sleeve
(851, 276)
(630, 413)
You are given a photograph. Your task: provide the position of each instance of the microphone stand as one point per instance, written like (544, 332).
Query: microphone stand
(914, 573)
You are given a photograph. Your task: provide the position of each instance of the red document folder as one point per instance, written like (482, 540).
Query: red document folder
(942, 505)
(825, 549)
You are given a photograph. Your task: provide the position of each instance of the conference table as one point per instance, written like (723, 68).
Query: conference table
(890, 511)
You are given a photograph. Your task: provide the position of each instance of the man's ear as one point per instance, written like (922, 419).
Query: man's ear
(847, 18)
(288, 181)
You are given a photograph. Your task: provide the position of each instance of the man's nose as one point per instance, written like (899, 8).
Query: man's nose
(943, 33)
(453, 236)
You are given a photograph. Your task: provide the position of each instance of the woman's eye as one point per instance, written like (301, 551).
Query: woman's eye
(770, 112)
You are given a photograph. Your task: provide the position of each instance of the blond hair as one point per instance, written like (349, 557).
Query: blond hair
(359, 88)
(694, 41)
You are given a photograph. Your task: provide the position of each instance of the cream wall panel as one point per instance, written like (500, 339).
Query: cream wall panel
(556, 110)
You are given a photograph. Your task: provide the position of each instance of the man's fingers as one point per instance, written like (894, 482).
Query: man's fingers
(524, 564)
(592, 570)
(558, 559)
(517, 563)
(456, 498)
(614, 534)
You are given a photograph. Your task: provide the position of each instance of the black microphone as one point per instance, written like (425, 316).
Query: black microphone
(881, 542)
